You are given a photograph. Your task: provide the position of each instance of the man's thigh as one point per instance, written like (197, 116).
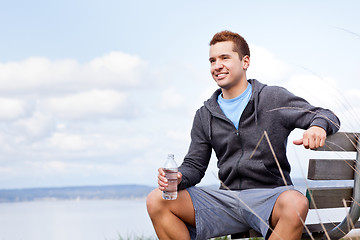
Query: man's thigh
(183, 207)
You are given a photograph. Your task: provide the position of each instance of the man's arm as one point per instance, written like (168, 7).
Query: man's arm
(298, 113)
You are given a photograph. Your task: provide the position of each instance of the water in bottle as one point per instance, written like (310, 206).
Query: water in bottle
(171, 170)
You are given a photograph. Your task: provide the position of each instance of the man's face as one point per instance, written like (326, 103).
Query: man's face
(226, 67)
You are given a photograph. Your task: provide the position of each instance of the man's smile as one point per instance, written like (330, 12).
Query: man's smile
(221, 75)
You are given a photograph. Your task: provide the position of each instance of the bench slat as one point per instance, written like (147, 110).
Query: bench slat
(331, 169)
(329, 197)
(341, 142)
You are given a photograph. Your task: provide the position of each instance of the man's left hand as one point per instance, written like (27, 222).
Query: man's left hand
(313, 138)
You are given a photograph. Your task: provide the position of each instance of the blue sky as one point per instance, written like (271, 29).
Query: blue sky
(98, 92)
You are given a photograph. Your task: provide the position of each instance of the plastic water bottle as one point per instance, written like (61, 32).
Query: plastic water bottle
(171, 170)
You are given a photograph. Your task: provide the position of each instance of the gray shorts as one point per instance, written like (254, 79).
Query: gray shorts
(223, 212)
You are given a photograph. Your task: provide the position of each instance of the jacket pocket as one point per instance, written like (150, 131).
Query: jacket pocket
(254, 173)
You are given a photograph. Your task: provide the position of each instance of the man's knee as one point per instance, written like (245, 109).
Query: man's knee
(292, 207)
(182, 207)
(303, 205)
(153, 202)
(293, 204)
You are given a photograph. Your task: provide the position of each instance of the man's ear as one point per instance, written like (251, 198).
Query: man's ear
(246, 62)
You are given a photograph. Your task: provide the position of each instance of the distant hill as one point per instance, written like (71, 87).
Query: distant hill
(73, 193)
(114, 191)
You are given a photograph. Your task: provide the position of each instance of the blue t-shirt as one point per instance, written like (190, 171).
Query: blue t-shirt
(233, 108)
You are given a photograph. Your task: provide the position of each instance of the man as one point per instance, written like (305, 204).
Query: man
(247, 124)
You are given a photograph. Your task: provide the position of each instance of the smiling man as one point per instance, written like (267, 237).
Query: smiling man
(255, 193)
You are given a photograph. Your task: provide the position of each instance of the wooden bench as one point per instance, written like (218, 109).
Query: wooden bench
(332, 197)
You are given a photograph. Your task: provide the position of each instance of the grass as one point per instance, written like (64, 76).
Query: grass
(134, 237)
(228, 238)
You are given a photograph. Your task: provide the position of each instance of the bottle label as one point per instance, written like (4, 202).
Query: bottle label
(171, 176)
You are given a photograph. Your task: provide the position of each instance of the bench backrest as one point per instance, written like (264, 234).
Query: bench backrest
(337, 169)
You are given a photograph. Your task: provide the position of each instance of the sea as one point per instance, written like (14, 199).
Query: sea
(90, 220)
(70, 220)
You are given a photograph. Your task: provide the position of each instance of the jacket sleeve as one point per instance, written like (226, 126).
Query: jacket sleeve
(197, 159)
(298, 113)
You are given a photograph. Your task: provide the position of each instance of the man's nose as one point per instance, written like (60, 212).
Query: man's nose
(218, 65)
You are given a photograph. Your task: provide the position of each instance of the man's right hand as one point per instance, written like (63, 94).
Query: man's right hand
(163, 182)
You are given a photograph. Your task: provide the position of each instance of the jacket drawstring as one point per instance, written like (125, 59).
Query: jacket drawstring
(210, 123)
(256, 109)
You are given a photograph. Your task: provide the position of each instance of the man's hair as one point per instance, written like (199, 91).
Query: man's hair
(240, 45)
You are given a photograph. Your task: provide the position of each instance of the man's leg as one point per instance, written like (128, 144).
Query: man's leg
(168, 216)
(290, 206)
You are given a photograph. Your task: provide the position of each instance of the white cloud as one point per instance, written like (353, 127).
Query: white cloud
(35, 74)
(49, 166)
(69, 142)
(84, 104)
(125, 66)
(350, 110)
(319, 92)
(179, 135)
(171, 99)
(36, 126)
(354, 95)
(11, 108)
(4, 144)
(266, 67)
(58, 112)
(325, 92)
(350, 119)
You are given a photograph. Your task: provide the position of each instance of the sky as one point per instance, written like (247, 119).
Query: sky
(99, 92)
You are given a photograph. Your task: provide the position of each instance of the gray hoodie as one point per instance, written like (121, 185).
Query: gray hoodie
(245, 159)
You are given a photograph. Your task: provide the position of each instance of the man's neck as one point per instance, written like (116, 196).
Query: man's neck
(235, 91)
